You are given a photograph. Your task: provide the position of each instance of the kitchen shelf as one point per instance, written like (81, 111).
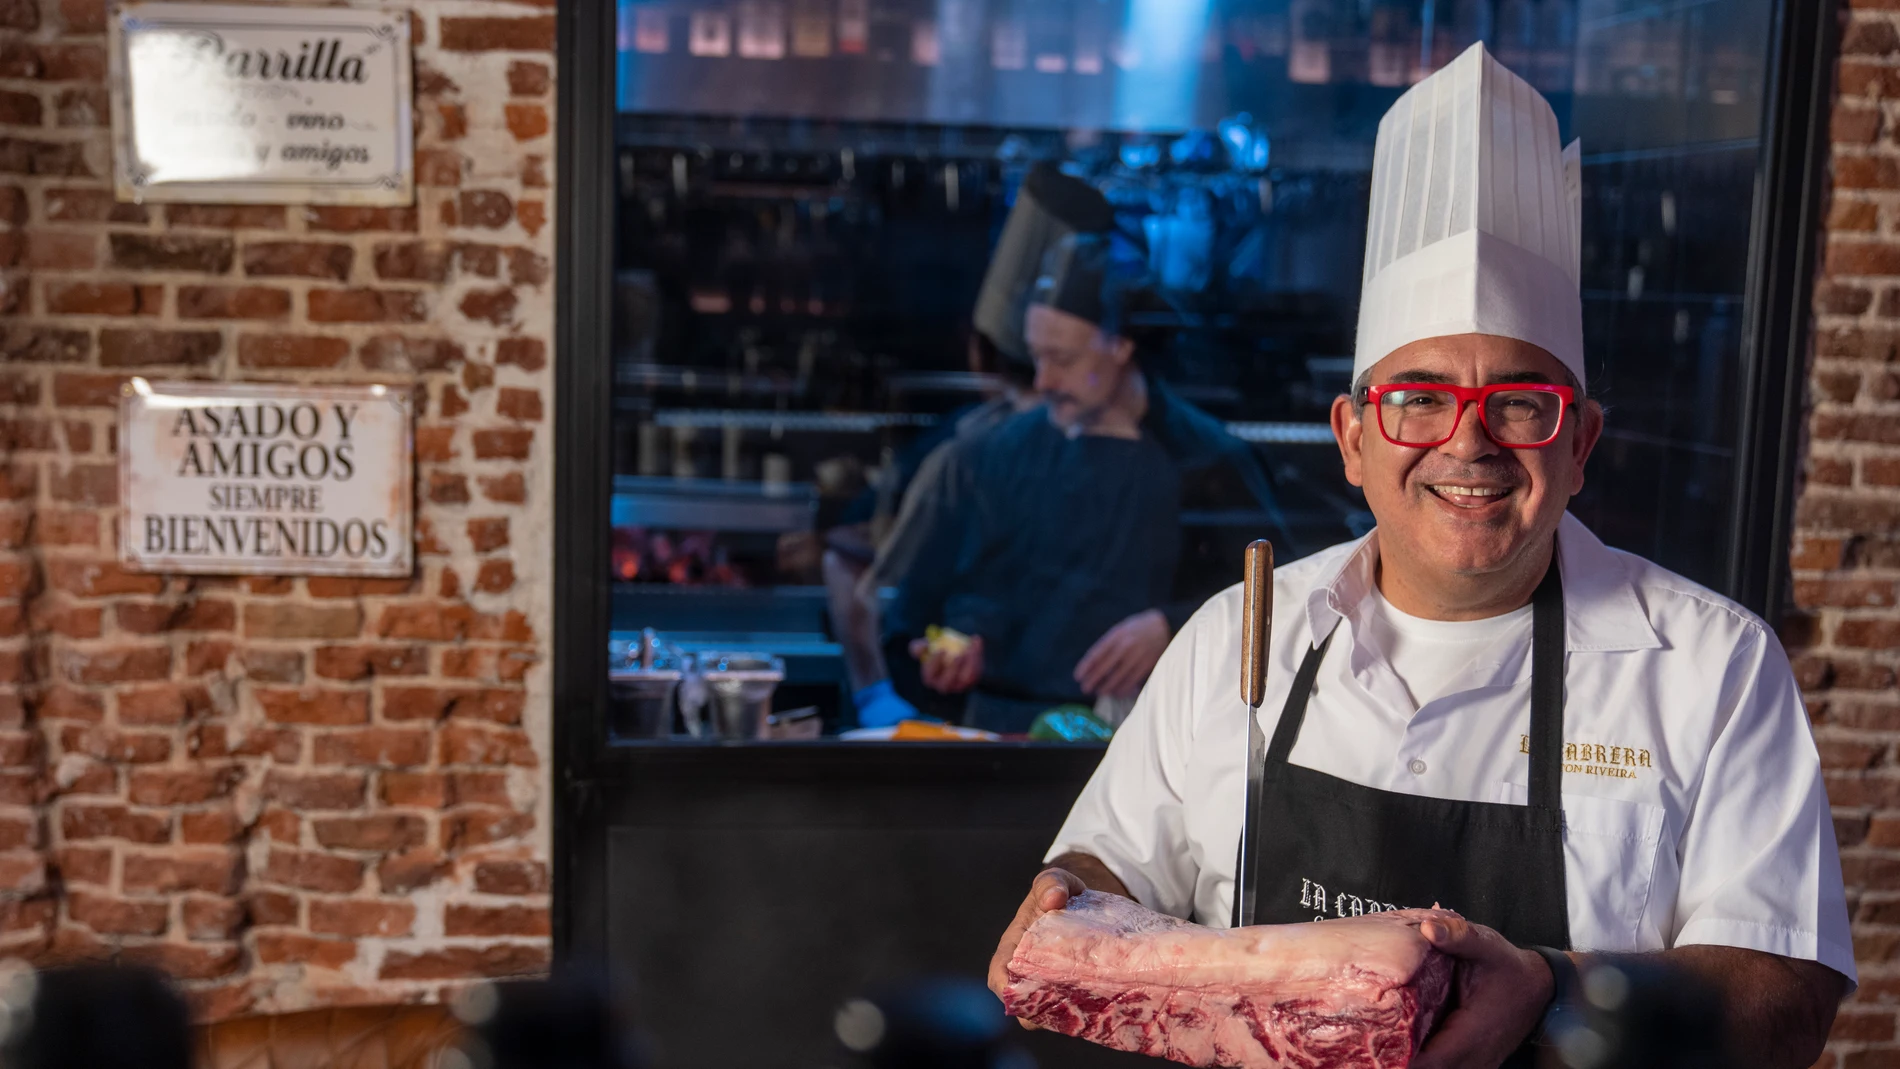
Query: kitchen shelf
(712, 504)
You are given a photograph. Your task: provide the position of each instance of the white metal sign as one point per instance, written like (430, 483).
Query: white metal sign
(261, 104)
(245, 479)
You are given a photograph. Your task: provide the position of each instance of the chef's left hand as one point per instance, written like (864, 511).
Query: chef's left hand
(1502, 994)
(1121, 659)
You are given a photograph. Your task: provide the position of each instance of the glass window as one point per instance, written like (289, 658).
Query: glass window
(822, 411)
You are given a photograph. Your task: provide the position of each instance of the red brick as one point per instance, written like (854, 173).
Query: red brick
(275, 948)
(335, 586)
(452, 403)
(445, 488)
(213, 871)
(19, 109)
(411, 870)
(94, 298)
(527, 79)
(504, 443)
(184, 961)
(395, 352)
(84, 864)
(298, 259)
(170, 704)
(226, 216)
(172, 252)
(439, 167)
(352, 220)
(212, 919)
(204, 657)
(270, 907)
(62, 703)
(158, 348)
(469, 744)
(354, 663)
(452, 121)
(20, 155)
(83, 106)
(355, 917)
(488, 533)
(76, 390)
(291, 351)
(232, 302)
(79, 822)
(282, 825)
(413, 261)
(499, 705)
(311, 706)
(119, 916)
(1879, 634)
(275, 620)
(209, 827)
(533, 215)
(534, 172)
(529, 354)
(458, 963)
(380, 832)
(496, 920)
(441, 622)
(118, 747)
(61, 251)
(434, 444)
(304, 791)
(518, 404)
(273, 666)
(186, 786)
(86, 484)
(198, 614)
(364, 305)
(313, 871)
(495, 577)
(527, 122)
(511, 877)
(1847, 593)
(19, 748)
(119, 664)
(466, 828)
(90, 206)
(509, 489)
(72, 62)
(484, 208)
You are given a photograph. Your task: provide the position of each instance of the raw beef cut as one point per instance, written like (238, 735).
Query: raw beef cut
(1358, 992)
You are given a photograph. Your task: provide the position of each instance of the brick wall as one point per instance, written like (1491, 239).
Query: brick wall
(286, 791)
(1844, 631)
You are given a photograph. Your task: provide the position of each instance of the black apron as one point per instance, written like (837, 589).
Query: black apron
(1332, 848)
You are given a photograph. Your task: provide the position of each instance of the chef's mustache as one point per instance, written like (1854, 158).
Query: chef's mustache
(1501, 470)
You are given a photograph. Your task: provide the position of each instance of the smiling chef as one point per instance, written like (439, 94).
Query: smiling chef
(1478, 703)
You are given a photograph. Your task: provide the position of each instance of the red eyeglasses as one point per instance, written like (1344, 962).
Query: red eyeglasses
(1515, 415)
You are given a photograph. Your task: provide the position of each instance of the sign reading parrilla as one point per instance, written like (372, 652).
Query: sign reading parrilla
(262, 104)
(237, 479)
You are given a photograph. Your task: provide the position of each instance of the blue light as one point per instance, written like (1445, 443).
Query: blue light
(1163, 40)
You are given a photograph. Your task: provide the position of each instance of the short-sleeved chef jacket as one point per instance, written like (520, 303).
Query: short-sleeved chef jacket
(1693, 804)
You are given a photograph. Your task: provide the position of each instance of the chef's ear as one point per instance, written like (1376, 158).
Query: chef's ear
(1123, 349)
(1348, 432)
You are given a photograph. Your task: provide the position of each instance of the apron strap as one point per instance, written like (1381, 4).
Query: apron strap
(1547, 690)
(1294, 713)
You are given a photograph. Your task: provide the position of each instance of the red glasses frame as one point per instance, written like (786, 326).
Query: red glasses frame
(1467, 395)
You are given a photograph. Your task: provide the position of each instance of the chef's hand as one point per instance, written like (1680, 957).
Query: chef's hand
(1502, 994)
(950, 673)
(1051, 891)
(1121, 659)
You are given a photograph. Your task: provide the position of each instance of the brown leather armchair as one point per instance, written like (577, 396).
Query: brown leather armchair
(348, 1037)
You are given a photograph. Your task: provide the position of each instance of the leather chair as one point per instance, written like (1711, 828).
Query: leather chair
(346, 1037)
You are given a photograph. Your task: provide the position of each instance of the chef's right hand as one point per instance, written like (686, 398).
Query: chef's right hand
(1051, 891)
(950, 673)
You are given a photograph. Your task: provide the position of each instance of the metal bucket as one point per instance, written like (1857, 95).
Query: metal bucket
(739, 686)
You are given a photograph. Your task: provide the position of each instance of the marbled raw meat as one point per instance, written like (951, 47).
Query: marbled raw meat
(1337, 994)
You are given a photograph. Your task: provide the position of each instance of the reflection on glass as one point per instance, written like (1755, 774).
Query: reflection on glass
(812, 191)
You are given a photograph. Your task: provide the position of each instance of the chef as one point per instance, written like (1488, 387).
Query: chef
(1478, 704)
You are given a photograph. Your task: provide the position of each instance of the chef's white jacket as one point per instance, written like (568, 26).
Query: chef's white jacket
(1692, 793)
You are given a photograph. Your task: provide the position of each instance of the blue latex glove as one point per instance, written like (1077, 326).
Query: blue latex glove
(880, 707)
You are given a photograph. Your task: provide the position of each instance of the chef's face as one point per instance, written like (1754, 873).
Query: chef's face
(1469, 507)
(1079, 369)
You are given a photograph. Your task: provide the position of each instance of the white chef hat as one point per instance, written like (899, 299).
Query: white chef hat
(1476, 218)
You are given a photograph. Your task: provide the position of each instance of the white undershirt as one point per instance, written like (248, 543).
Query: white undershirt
(1431, 657)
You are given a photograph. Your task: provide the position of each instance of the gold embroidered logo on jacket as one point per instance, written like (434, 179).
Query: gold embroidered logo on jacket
(1597, 759)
